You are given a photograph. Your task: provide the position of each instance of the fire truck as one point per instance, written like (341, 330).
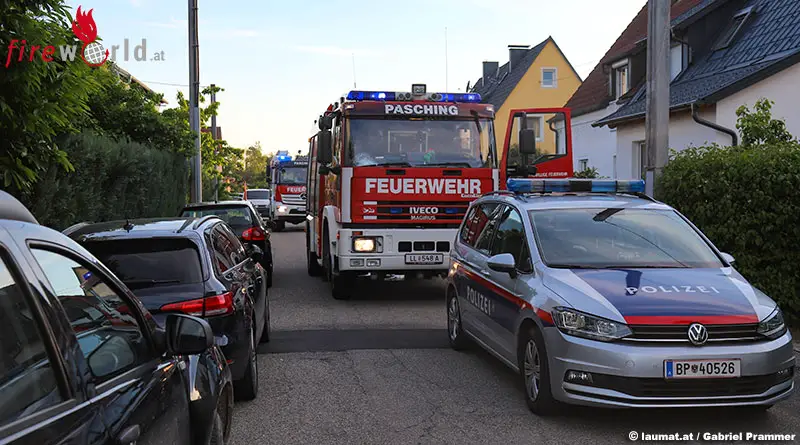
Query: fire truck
(392, 175)
(288, 179)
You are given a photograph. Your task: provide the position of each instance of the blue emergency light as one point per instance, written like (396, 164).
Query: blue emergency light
(284, 158)
(432, 97)
(518, 185)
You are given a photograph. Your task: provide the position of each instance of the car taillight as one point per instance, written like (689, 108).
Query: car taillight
(217, 305)
(253, 234)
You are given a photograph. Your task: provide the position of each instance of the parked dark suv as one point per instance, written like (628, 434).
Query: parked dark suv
(194, 266)
(83, 362)
(245, 221)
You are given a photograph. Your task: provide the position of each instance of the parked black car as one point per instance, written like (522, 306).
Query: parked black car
(245, 221)
(83, 362)
(194, 266)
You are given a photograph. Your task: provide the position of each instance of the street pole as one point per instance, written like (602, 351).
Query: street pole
(214, 137)
(194, 103)
(657, 118)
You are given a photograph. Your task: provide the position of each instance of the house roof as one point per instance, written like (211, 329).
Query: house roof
(767, 43)
(593, 94)
(127, 76)
(497, 90)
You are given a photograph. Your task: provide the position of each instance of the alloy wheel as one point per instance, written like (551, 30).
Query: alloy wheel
(532, 367)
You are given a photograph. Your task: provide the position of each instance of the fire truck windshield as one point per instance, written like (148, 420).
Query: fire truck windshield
(291, 175)
(420, 143)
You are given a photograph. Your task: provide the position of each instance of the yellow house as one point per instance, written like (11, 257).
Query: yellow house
(537, 77)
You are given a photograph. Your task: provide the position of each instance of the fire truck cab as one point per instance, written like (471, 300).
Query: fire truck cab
(288, 180)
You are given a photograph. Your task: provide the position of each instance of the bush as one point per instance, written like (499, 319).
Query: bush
(745, 200)
(112, 180)
(588, 173)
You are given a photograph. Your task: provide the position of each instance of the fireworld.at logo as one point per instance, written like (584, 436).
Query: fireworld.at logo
(91, 52)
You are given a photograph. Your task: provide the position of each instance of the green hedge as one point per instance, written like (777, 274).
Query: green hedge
(112, 180)
(747, 201)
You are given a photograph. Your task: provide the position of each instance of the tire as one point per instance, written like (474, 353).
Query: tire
(314, 270)
(246, 388)
(217, 434)
(279, 226)
(532, 359)
(455, 332)
(269, 276)
(340, 284)
(267, 326)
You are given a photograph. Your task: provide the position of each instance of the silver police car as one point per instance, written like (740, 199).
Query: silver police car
(599, 295)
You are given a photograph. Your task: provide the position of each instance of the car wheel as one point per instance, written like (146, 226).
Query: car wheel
(455, 332)
(247, 387)
(340, 284)
(269, 275)
(217, 435)
(267, 329)
(536, 374)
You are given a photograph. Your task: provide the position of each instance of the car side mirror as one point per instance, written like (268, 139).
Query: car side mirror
(728, 258)
(325, 147)
(255, 253)
(503, 262)
(187, 335)
(527, 142)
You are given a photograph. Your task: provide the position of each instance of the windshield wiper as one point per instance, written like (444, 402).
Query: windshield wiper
(144, 282)
(391, 164)
(448, 164)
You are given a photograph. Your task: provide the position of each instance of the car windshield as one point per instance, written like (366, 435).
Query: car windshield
(291, 175)
(619, 238)
(238, 217)
(420, 143)
(258, 194)
(141, 263)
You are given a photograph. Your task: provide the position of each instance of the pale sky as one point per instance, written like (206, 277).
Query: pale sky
(282, 63)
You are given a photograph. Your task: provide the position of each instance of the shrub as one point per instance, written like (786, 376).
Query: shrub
(745, 200)
(112, 180)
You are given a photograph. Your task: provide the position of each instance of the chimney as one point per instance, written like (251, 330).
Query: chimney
(489, 71)
(515, 54)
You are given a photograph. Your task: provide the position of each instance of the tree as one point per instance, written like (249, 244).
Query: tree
(757, 127)
(254, 168)
(39, 101)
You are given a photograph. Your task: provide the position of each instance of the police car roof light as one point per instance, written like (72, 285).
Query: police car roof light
(518, 185)
(284, 158)
(433, 97)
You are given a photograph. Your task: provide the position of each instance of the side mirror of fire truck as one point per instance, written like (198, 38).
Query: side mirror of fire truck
(527, 142)
(325, 147)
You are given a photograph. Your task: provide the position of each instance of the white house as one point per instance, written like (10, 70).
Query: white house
(725, 53)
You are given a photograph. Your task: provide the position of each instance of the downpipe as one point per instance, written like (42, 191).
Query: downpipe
(705, 123)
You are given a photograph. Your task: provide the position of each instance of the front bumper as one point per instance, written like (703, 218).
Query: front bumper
(632, 375)
(396, 242)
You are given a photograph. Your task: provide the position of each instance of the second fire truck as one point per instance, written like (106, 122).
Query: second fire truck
(288, 181)
(391, 175)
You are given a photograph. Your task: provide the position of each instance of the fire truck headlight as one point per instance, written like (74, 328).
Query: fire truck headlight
(364, 244)
(283, 209)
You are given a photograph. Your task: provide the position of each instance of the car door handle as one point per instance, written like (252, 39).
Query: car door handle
(130, 435)
(486, 272)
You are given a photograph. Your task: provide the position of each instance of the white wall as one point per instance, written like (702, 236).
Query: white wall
(598, 145)
(782, 88)
(683, 132)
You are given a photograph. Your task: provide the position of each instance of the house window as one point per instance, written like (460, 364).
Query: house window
(733, 29)
(583, 164)
(549, 77)
(676, 60)
(537, 125)
(621, 78)
(639, 157)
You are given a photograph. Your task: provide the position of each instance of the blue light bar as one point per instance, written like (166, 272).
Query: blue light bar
(518, 185)
(432, 97)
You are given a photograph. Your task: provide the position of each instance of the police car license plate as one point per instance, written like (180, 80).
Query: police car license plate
(702, 369)
(424, 258)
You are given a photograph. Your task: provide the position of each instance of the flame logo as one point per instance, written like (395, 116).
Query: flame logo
(84, 26)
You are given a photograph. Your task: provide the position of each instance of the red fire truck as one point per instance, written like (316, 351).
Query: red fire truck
(391, 175)
(288, 180)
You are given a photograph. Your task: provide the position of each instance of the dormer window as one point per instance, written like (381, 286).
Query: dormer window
(620, 78)
(678, 59)
(733, 29)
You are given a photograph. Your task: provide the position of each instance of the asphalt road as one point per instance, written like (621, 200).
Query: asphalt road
(377, 370)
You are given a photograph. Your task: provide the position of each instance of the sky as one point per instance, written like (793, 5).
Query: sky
(282, 63)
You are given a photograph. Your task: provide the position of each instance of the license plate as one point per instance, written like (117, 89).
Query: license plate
(702, 369)
(424, 258)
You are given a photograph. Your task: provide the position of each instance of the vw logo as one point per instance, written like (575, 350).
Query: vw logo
(698, 334)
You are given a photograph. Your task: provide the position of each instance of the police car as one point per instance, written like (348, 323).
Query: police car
(599, 295)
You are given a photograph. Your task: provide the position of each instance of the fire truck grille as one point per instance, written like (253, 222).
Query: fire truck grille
(421, 210)
(293, 200)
